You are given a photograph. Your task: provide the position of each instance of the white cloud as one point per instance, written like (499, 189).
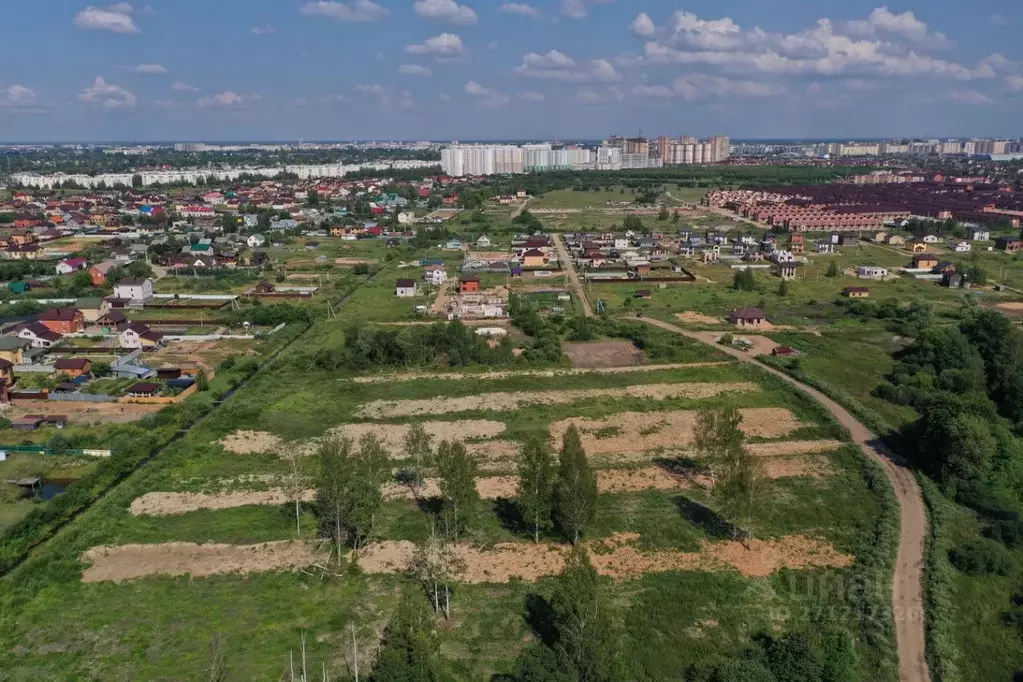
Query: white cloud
(370, 89)
(488, 96)
(557, 65)
(822, 49)
(446, 10)
(407, 103)
(588, 96)
(148, 69)
(702, 86)
(969, 97)
(115, 18)
(906, 25)
(301, 102)
(532, 96)
(178, 86)
(1014, 82)
(444, 45)
(335, 98)
(18, 95)
(358, 10)
(577, 9)
(643, 25)
(107, 95)
(414, 70)
(998, 20)
(225, 100)
(444, 97)
(519, 8)
(264, 30)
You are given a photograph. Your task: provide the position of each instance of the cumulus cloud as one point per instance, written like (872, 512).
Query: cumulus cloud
(178, 86)
(357, 10)
(444, 45)
(643, 25)
(1014, 82)
(444, 97)
(532, 96)
(577, 9)
(969, 97)
(519, 8)
(702, 86)
(148, 69)
(905, 25)
(335, 99)
(997, 20)
(107, 95)
(115, 18)
(589, 96)
(225, 100)
(264, 30)
(555, 65)
(414, 70)
(488, 96)
(823, 49)
(446, 10)
(370, 89)
(18, 95)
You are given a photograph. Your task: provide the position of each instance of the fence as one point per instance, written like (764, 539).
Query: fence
(83, 397)
(168, 400)
(47, 451)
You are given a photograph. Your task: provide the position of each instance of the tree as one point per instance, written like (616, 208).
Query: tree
(58, 443)
(418, 449)
(576, 496)
(586, 637)
(313, 198)
(436, 565)
(202, 383)
(349, 490)
(459, 497)
(832, 269)
(663, 215)
(717, 432)
(537, 479)
(737, 487)
(783, 288)
(744, 280)
(410, 649)
(675, 217)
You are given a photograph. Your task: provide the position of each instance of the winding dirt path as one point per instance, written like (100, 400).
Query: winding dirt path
(907, 583)
(569, 266)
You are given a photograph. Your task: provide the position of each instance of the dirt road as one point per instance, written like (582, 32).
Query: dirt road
(518, 211)
(569, 266)
(907, 585)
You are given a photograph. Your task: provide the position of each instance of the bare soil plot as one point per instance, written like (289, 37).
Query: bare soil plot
(250, 442)
(603, 354)
(384, 409)
(628, 433)
(504, 374)
(693, 317)
(125, 562)
(392, 436)
(355, 261)
(169, 504)
(105, 413)
(793, 447)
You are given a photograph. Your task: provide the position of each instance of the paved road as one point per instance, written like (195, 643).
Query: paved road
(573, 277)
(907, 584)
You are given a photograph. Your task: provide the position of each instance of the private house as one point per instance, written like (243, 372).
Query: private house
(824, 247)
(979, 234)
(797, 244)
(135, 289)
(255, 241)
(144, 389)
(435, 275)
(871, 272)
(6, 373)
(960, 246)
(405, 288)
(534, 258)
(747, 317)
(112, 319)
(1009, 244)
(916, 245)
(92, 308)
(469, 284)
(12, 349)
(136, 335)
(952, 279)
(924, 262)
(63, 320)
(930, 239)
(39, 335)
(70, 265)
(73, 367)
(100, 271)
(786, 270)
(856, 292)
(483, 242)
(453, 244)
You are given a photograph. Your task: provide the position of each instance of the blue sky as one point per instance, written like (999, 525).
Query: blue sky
(468, 69)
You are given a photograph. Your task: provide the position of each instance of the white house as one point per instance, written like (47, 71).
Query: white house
(931, 239)
(405, 288)
(251, 220)
(871, 272)
(255, 241)
(782, 256)
(134, 289)
(435, 275)
(406, 218)
(483, 242)
(961, 246)
(136, 336)
(39, 335)
(69, 265)
(979, 234)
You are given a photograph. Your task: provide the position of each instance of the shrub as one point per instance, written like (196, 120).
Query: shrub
(982, 556)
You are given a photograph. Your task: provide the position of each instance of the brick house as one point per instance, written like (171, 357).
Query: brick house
(63, 320)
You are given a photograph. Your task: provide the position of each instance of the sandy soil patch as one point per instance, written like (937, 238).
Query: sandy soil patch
(628, 433)
(355, 261)
(383, 409)
(505, 374)
(392, 436)
(250, 442)
(791, 467)
(603, 354)
(125, 562)
(83, 413)
(168, 504)
(761, 344)
(793, 447)
(693, 317)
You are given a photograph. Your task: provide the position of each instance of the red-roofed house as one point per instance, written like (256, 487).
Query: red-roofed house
(63, 320)
(69, 265)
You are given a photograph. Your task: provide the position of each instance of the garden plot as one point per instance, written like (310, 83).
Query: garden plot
(504, 402)
(617, 557)
(543, 373)
(489, 488)
(630, 433)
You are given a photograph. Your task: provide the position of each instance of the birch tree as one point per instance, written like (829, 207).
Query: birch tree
(419, 451)
(349, 491)
(738, 489)
(459, 498)
(537, 479)
(294, 483)
(717, 433)
(336, 464)
(576, 497)
(435, 564)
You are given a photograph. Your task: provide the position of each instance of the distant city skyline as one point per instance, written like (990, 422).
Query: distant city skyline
(462, 69)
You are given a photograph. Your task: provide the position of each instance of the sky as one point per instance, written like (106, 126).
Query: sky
(210, 70)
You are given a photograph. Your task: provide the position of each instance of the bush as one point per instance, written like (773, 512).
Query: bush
(982, 556)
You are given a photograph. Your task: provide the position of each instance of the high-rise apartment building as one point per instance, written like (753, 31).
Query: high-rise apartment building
(720, 145)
